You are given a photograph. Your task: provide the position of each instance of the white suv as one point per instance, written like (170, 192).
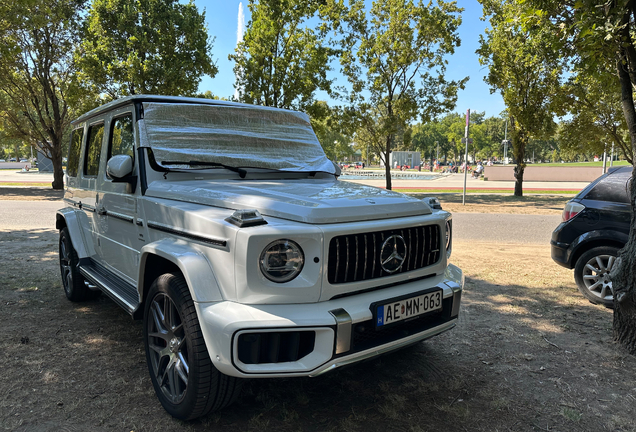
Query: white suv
(225, 228)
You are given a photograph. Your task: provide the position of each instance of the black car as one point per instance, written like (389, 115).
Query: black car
(595, 227)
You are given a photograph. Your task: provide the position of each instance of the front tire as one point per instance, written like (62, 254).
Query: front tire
(592, 274)
(183, 376)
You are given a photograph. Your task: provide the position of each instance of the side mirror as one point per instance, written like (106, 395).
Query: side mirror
(119, 166)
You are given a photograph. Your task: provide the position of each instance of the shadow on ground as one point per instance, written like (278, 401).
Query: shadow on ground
(30, 193)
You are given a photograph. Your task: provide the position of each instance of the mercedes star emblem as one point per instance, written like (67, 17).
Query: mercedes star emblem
(393, 253)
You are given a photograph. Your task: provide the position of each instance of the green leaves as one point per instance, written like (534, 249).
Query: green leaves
(394, 58)
(525, 69)
(283, 60)
(37, 74)
(145, 46)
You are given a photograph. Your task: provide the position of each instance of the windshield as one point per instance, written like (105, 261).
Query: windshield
(256, 137)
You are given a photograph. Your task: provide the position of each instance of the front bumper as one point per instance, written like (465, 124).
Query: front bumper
(342, 329)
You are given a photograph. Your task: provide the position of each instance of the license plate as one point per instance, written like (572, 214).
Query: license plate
(399, 310)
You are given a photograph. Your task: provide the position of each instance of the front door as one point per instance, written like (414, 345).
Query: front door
(117, 204)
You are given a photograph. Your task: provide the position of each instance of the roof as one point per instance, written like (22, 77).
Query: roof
(158, 98)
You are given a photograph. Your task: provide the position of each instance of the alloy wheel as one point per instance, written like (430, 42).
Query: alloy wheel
(596, 276)
(168, 348)
(65, 267)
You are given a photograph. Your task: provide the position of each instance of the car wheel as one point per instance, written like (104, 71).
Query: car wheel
(72, 280)
(183, 376)
(592, 274)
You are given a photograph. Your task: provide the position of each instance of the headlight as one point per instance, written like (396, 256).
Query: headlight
(282, 260)
(449, 237)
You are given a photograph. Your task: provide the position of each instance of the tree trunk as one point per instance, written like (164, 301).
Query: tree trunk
(623, 274)
(623, 283)
(387, 164)
(58, 170)
(519, 150)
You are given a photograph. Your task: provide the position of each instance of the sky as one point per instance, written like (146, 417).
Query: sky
(222, 21)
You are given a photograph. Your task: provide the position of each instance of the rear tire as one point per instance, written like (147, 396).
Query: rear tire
(72, 279)
(183, 376)
(591, 274)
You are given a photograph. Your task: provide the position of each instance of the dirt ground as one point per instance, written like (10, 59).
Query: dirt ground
(490, 203)
(528, 354)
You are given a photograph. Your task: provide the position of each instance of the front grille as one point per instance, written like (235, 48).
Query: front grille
(356, 257)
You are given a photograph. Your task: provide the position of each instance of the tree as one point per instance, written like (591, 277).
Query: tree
(493, 129)
(597, 116)
(394, 58)
(145, 46)
(282, 61)
(10, 146)
(37, 73)
(602, 38)
(526, 69)
(333, 129)
(430, 136)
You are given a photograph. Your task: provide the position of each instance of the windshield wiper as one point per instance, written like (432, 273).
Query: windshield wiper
(241, 172)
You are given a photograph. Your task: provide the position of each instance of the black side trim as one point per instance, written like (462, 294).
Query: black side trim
(142, 170)
(215, 242)
(139, 108)
(120, 291)
(153, 162)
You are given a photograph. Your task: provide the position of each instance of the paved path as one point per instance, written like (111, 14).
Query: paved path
(16, 176)
(504, 228)
(21, 215)
(508, 228)
(456, 181)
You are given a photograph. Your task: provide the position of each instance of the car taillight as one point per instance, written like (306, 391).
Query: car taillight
(571, 209)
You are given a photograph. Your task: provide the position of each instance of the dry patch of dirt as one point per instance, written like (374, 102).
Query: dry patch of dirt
(485, 203)
(529, 353)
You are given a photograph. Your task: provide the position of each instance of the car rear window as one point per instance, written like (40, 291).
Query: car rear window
(612, 187)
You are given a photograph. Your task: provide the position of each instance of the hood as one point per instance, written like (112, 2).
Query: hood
(311, 201)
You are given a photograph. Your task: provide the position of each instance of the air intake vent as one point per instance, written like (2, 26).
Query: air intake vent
(275, 347)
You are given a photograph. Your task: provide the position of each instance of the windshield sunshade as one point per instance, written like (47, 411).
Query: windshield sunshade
(240, 136)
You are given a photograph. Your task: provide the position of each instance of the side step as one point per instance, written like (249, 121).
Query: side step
(120, 291)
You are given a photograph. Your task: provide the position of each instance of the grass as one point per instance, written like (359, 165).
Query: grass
(550, 164)
(579, 164)
(489, 191)
(24, 184)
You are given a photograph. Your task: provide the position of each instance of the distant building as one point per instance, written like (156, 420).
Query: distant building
(44, 164)
(409, 158)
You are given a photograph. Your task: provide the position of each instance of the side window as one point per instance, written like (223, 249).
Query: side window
(93, 149)
(122, 141)
(74, 152)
